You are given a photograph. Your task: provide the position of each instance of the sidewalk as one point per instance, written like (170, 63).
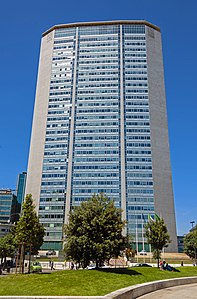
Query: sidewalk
(45, 268)
(184, 291)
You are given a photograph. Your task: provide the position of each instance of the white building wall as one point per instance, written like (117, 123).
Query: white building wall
(163, 192)
(36, 153)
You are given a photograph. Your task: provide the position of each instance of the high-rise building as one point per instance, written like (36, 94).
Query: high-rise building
(11, 201)
(100, 125)
(21, 183)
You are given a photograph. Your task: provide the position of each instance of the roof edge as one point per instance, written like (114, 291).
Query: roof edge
(100, 23)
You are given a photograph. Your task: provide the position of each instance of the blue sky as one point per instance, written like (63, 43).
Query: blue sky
(22, 23)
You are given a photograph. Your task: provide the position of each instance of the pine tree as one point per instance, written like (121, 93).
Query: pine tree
(29, 232)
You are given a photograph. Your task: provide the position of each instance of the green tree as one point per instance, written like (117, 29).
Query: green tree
(94, 231)
(157, 235)
(29, 232)
(7, 247)
(190, 245)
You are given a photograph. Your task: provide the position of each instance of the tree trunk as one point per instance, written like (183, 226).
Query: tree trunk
(29, 259)
(4, 262)
(158, 263)
(21, 259)
(17, 259)
(97, 264)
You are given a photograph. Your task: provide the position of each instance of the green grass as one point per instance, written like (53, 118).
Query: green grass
(83, 282)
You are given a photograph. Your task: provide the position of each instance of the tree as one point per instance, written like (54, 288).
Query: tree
(7, 247)
(94, 231)
(190, 244)
(29, 232)
(157, 235)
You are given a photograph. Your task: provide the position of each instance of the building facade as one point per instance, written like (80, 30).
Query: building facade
(9, 207)
(21, 184)
(100, 125)
(180, 242)
(5, 228)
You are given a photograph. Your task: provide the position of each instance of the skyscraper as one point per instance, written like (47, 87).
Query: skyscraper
(10, 203)
(21, 183)
(100, 125)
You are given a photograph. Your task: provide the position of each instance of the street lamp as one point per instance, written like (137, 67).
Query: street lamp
(192, 223)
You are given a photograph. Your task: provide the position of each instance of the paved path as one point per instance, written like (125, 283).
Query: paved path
(188, 291)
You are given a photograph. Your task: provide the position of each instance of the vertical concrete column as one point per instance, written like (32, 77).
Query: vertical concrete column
(72, 124)
(122, 134)
(36, 153)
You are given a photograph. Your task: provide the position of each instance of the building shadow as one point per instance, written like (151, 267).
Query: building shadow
(127, 271)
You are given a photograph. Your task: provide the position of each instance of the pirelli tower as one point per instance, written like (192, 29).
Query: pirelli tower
(100, 125)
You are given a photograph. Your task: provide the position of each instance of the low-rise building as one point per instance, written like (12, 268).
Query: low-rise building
(5, 228)
(9, 207)
(180, 242)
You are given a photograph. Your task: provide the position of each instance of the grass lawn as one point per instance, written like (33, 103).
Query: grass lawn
(84, 282)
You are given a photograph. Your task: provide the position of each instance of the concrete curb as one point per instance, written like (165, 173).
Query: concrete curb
(125, 293)
(145, 288)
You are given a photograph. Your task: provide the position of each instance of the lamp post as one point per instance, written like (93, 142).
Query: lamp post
(195, 245)
(192, 223)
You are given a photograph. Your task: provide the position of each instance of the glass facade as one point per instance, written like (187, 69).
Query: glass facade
(96, 148)
(138, 155)
(8, 206)
(98, 133)
(54, 175)
(21, 187)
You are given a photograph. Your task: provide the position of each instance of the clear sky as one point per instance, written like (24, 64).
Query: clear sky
(22, 23)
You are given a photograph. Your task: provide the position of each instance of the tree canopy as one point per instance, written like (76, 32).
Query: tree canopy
(190, 244)
(7, 247)
(157, 235)
(29, 230)
(94, 231)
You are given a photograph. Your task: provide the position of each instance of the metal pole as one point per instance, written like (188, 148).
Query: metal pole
(192, 223)
(150, 253)
(142, 234)
(17, 259)
(21, 258)
(136, 233)
(143, 238)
